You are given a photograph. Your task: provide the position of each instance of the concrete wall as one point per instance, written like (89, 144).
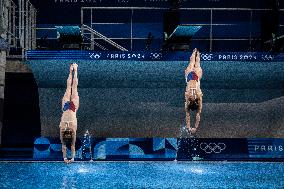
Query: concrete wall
(2, 85)
(146, 99)
(3, 28)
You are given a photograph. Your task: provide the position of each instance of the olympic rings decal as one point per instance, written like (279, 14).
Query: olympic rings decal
(96, 56)
(206, 56)
(212, 147)
(156, 55)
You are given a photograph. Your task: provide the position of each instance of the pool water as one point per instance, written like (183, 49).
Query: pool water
(142, 175)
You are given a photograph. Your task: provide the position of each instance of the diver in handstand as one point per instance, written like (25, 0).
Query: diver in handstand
(193, 93)
(70, 105)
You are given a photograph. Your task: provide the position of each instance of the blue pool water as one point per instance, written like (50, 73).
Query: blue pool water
(142, 175)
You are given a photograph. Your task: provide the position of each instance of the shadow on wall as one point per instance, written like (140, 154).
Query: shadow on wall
(21, 119)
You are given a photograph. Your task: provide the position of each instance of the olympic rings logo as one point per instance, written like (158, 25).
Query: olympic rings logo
(212, 147)
(206, 56)
(96, 56)
(156, 55)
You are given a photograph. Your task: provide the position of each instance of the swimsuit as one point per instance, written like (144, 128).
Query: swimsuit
(69, 105)
(66, 119)
(191, 76)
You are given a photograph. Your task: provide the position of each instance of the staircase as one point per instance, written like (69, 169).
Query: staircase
(94, 33)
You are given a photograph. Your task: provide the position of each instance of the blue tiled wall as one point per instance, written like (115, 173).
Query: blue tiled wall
(167, 149)
(111, 149)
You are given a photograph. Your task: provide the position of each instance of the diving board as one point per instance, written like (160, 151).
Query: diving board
(180, 38)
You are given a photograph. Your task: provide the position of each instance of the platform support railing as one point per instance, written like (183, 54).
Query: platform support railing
(27, 26)
(101, 36)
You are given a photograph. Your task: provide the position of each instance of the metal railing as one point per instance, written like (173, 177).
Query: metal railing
(27, 26)
(100, 36)
(211, 23)
(20, 30)
(8, 17)
(11, 30)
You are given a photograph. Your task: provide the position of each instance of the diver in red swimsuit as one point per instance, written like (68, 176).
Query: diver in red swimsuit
(70, 105)
(193, 94)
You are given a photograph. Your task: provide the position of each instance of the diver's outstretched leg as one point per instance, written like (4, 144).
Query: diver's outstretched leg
(191, 62)
(75, 95)
(73, 150)
(197, 60)
(67, 94)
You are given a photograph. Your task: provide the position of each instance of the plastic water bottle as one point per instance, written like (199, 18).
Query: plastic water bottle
(87, 147)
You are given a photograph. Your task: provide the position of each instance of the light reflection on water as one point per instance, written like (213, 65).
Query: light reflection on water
(142, 175)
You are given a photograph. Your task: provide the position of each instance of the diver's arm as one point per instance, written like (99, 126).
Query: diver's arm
(197, 117)
(73, 151)
(187, 116)
(64, 149)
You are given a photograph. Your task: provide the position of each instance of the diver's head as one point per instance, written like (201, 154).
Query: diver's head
(193, 104)
(67, 136)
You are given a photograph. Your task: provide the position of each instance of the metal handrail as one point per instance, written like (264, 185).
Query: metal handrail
(85, 27)
(95, 43)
